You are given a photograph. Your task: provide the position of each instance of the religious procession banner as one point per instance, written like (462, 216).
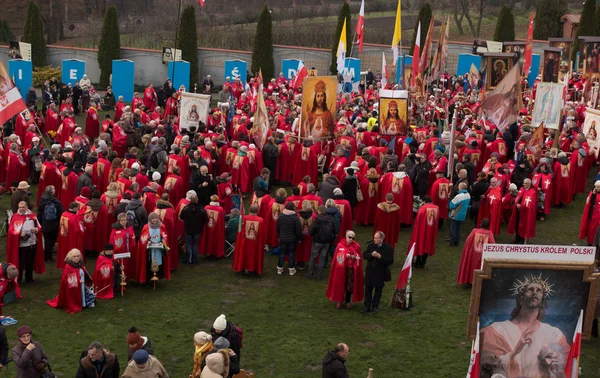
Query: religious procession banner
(193, 109)
(393, 112)
(318, 107)
(591, 128)
(548, 105)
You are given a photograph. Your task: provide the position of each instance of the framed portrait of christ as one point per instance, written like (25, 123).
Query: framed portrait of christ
(528, 312)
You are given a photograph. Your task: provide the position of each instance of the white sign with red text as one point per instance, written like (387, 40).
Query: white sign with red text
(540, 253)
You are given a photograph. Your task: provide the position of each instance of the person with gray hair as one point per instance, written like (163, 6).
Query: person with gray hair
(379, 256)
(98, 362)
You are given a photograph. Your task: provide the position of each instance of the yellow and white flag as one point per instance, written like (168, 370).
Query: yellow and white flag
(397, 33)
(341, 50)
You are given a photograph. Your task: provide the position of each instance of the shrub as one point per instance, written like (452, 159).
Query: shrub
(41, 74)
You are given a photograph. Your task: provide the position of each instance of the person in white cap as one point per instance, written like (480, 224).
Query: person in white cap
(21, 194)
(233, 333)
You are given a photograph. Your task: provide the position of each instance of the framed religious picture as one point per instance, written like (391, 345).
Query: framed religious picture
(551, 64)
(393, 112)
(548, 105)
(497, 67)
(534, 293)
(565, 56)
(589, 54)
(318, 107)
(591, 128)
(194, 109)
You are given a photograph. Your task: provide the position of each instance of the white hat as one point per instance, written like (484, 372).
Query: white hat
(156, 176)
(154, 139)
(337, 191)
(252, 146)
(220, 323)
(135, 166)
(202, 338)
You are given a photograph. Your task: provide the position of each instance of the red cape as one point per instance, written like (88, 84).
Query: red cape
(149, 199)
(249, 248)
(263, 204)
(14, 167)
(306, 165)
(142, 254)
(123, 240)
(175, 188)
(579, 171)
(212, 242)
(69, 294)
(527, 214)
(491, 208)
(8, 286)
(68, 190)
(52, 121)
(590, 220)
(542, 182)
(288, 156)
(240, 173)
(95, 224)
(366, 209)
(336, 287)
(70, 235)
(49, 175)
(315, 202)
(346, 224)
(303, 249)
(150, 98)
(439, 193)
(274, 210)
(92, 124)
(224, 191)
(104, 275)
(401, 187)
(562, 188)
(425, 230)
(111, 205)
(12, 242)
(471, 254)
(255, 162)
(183, 164)
(336, 167)
(101, 172)
(386, 221)
(119, 110)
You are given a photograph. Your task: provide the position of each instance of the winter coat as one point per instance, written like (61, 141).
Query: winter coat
(459, 206)
(337, 218)
(327, 187)
(269, 155)
(3, 345)
(231, 335)
(318, 224)
(152, 369)
(477, 190)
(334, 366)
(18, 196)
(349, 188)
(28, 360)
(82, 181)
(109, 367)
(140, 214)
(147, 346)
(376, 268)
(420, 178)
(288, 227)
(217, 365)
(204, 192)
(194, 218)
(49, 225)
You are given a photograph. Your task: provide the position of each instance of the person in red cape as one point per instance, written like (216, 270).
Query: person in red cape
(273, 210)
(74, 285)
(15, 165)
(70, 234)
(306, 216)
(84, 197)
(472, 251)
(296, 197)
(346, 278)
(175, 187)
(153, 248)
(542, 182)
(387, 219)
(68, 187)
(212, 241)
(249, 248)
(307, 164)
(490, 207)
(52, 119)
(150, 196)
(562, 190)
(120, 105)
(225, 191)
(312, 198)
(366, 209)
(289, 154)
(166, 212)
(522, 220)
(424, 234)
(122, 237)
(24, 246)
(508, 202)
(590, 220)
(345, 210)
(579, 169)
(123, 182)
(399, 184)
(262, 199)
(111, 199)
(92, 122)
(170, 106)
(119, 139)
(175, 160)
(150, 97)
(240, 171)
(94, 218)
(338, 163)
(8, 282)
(104, 274)
(49, 175)
(440, 194)
(101, 172)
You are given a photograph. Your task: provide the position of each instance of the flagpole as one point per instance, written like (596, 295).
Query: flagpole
(176, 37)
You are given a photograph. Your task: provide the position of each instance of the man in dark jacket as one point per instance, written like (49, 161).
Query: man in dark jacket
(49, 211)
(194, 218)
(328, 186)
(290, 233)
(98, 363)
(21, 194)
(85, 180)
(334, 362)
(379, 256)
(31, 98)
(270, 154)
(122, 206)
(205, 186)
(322, 231)
(264, 176)
(135, 209)
(419, 175)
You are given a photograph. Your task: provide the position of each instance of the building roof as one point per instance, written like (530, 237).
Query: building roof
(573, 18)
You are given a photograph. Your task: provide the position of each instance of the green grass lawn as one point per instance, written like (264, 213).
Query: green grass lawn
(288, 322)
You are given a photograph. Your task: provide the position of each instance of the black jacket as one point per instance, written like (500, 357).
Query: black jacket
(204, 192)
(420, 178)
(3, 346)
(319, 227)
(349, 188)
(140, 214)
(288, 227)
(147, 347)
(327, 187)
(18, 196)
(194, 218)
(376, 268)
(269, 156)
(231, 335)
(46, 199)
(334, 366)
(121, 207)
(109, 367)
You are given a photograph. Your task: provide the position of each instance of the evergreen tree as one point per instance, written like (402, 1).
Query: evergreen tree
(109, 48)
(598, 20)
(547, 18)
(344, 15)
(34, 33)
(505, 26)
(6, 34)
(587, 24)
(187, 42)
(425, 18)
(262, 55)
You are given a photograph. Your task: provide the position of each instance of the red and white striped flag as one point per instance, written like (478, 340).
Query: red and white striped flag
(473, 371)
(528, 47)
(416, 55)
(384, 71)
(11, 102)
(201, 2)
(406, 272)
(572, 367)
(301, 74)
(360, 26)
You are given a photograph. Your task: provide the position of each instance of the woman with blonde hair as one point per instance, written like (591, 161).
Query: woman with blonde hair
(75, 285)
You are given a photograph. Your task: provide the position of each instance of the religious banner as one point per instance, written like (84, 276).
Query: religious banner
(534, 293)
(548, 105)
(550, 67)
(194, 109)
(498, 66)
(502, 105)
(591, 127)
(318, 107)
(393, 112)
(11, 101)
(565, 56)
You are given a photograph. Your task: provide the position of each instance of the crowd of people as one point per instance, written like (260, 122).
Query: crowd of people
(144, 195)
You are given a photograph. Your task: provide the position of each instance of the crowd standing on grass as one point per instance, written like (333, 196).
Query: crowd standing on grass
(138, 183)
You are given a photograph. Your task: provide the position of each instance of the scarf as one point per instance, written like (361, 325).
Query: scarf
(199, 355)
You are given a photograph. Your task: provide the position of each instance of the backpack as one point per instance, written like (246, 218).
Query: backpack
(132, 219)
(239, 331)
(154, 162)
(326, 231)
(50, 212)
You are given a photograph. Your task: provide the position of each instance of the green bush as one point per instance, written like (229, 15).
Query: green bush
(505, 26)
(6, 33)
(41, 74)
(587, 25)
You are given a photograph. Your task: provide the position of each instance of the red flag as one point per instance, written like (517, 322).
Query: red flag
(201, 2)
(536, 143)
(416, 55)
(572, 367)
(300, 75)
(473, 371)
(360, 26)
(528, 47)
(406, 271)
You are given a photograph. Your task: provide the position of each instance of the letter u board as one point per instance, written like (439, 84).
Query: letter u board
(179, 73)
(72, 70)
(123, 71)
(21, 72)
